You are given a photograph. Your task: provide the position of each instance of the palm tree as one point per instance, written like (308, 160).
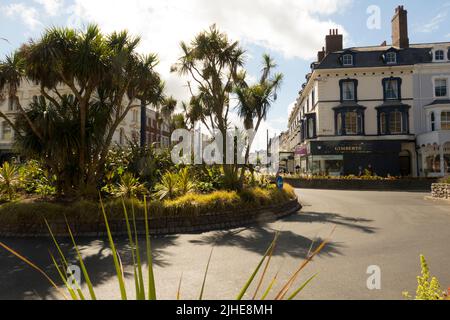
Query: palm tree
(255, 101)
(213, 62)
(104, 74)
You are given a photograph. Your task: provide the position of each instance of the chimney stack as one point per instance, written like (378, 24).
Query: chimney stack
(400, 37)
(334, 42)
(321, 55)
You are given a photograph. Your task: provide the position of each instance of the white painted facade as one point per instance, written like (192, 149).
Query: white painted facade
(432, 110)
(128, 130)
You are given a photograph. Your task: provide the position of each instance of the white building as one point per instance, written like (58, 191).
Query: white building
(362, 108)
(128, 130)
(432, 111)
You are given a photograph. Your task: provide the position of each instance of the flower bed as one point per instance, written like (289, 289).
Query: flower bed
(191, 213)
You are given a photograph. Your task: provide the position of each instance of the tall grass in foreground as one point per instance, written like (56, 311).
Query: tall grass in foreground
(146, 290)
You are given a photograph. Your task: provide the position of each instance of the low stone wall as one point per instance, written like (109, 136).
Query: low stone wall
(422, 185)
(440, 191)
(160, 225)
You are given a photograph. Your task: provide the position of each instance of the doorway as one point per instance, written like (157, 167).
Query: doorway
(405, 164)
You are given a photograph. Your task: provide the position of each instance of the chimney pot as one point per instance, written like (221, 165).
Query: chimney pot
(334, 42)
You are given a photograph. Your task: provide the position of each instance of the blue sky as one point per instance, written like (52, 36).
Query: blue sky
(292, 31)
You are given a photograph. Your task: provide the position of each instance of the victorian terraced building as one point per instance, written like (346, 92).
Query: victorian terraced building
(383, 108)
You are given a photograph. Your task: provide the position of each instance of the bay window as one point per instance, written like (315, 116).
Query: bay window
(349, 121)
(445, 120)
(396, 122)
(310, 126)
(393, 120)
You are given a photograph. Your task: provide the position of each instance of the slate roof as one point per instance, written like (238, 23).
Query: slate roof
(367, 57)
(439, 101)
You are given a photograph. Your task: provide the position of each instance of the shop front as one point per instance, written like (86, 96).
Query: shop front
(338, 158)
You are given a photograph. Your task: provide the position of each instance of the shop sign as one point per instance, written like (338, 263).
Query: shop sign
(301, 151)
(354, 147)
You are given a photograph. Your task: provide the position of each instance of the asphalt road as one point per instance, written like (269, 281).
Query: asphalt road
(385, 229)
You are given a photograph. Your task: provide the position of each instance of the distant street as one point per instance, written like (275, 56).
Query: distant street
(386, 229)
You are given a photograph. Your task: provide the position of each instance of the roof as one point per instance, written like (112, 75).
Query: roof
(367, 57)
(439, 101)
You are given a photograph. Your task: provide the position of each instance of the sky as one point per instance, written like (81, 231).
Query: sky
(291, 31)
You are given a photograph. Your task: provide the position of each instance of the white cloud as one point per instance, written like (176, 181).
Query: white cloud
(28, 15)
(294, 28)
(434, 23)
(51, 7)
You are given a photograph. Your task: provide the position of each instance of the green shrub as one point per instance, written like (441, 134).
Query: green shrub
(9, 180)
(129, 187)
(190, 204)
(445, 180)
(168, 187)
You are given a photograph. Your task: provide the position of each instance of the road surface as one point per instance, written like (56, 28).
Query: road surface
(385, 229)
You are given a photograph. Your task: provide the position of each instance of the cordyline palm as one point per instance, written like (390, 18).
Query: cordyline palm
(212, 62)
(102, 72)
(58, 149)
(168, 107)
(255, 101)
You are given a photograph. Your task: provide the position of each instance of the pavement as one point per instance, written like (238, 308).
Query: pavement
(385, 229)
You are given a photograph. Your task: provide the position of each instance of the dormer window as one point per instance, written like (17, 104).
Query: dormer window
(391, 58)
(439, 55)
(347, 60)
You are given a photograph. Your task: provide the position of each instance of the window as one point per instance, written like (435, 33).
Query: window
(391, 58)
(433, 121)
(135, 115)
(439, 55)
(311, 129)
(392, 89)
(440, 87)
(6, 131)
(349, 121)
(445, 120)
(383, 123)
(393, 121)
(396, 122)
(340, 124)
(347, 60)
(348, 91)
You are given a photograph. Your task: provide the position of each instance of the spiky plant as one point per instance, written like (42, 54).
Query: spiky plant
(146, 290)
(9, 178)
